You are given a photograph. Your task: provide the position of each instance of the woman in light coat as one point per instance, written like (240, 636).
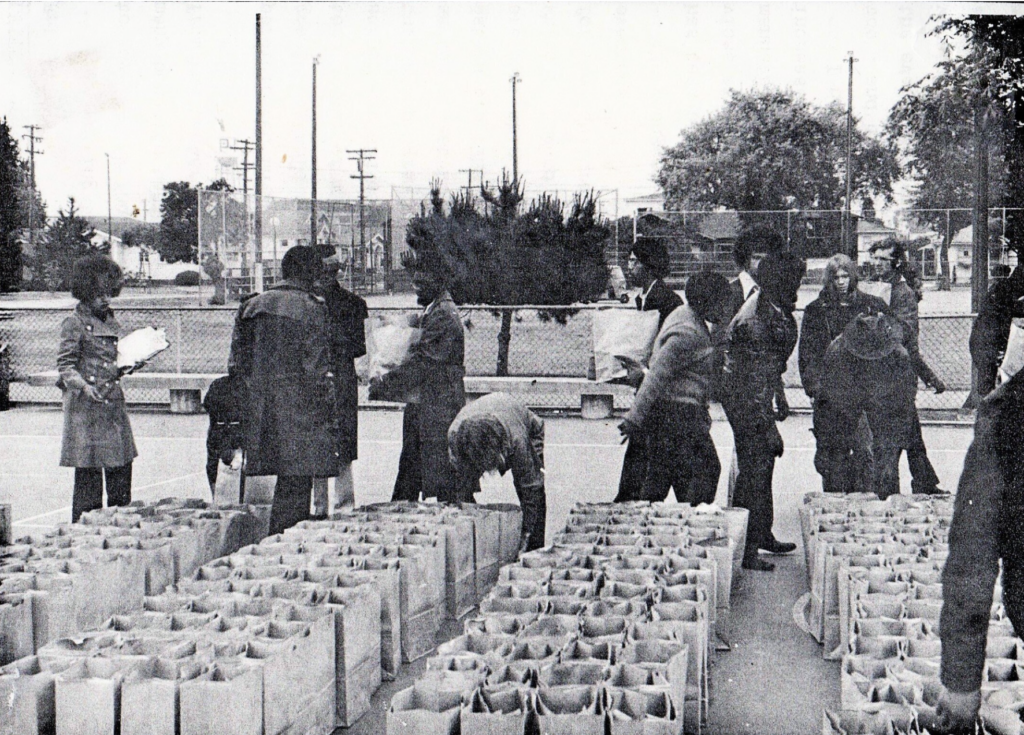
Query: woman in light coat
(97, 439)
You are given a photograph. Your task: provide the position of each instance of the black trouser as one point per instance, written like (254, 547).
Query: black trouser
(844, 459)
(292, 496)
(756, 449)
(681, 455)
(88, 492)
(634, 469)
(922, 475)
(534, 503)
(409, 482)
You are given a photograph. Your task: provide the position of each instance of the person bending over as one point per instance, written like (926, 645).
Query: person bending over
(495, 433)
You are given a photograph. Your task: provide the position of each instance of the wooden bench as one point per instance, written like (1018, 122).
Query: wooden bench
(597, 400)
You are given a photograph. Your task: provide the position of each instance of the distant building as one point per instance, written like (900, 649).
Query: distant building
(140, 261)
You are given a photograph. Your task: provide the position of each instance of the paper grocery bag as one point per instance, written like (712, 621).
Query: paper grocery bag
(642, 711)
(496, 712)
(570, 710)
(227, 699)
(1013, 358)
(389, 343)
(622, 332)
(26, 698)
(881, 289)
(419, 711)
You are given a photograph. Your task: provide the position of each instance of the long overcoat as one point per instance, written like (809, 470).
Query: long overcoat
(281, 352)
(95, 434)
(346, 315)
(436, 368)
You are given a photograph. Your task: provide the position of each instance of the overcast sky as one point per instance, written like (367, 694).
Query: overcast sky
(605, 86)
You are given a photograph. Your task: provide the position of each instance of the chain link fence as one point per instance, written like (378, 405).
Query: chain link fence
(546, 342)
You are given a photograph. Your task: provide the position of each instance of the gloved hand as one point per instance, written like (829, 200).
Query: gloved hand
(781, 405)
(958, 711)
(938, 385)
(376, 389)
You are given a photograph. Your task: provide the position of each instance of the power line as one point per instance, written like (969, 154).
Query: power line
(360, 158)
(470, 171)
(32, 153)
(244, 145)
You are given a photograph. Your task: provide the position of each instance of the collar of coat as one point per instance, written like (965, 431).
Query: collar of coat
(108, 327)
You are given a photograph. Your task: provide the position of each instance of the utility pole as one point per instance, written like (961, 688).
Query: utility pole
(244, 145)
(258, 223)
(110, 219)
(469, 184)
(312, 201)
(32, 153)
(515, 143)
(360, 158)
(849, 243)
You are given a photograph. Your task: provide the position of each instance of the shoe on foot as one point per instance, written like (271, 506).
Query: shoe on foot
(774, 546)
(318, 517)
(757, 564)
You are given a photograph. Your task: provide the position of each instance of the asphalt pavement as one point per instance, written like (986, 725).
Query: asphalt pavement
(772, 681)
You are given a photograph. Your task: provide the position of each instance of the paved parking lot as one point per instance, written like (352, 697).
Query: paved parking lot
(772, 681)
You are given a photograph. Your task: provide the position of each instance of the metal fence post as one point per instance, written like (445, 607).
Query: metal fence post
(177, 341)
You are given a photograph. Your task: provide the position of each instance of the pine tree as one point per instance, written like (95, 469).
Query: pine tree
(67, 239)
(10, 224)
(508, 258)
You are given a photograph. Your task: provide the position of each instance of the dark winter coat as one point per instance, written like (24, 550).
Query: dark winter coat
(988, 525)
(280, 350)
(435, 371)
(825, 318)
(884, 389)
(346, 314)
(903, 306)
(758, 344)
(991, 330)
(224, 403)
(95, 434)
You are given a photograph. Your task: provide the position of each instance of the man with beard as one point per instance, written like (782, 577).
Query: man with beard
(432, 378)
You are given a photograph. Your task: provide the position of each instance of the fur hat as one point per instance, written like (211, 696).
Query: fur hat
(872, 337)
(653, 253)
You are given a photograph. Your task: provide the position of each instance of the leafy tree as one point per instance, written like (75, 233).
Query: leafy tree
(142, 234)
(772, 150)
(505, 257)
(66, 239)
(10, 222)
(179, 211)
(933, 123)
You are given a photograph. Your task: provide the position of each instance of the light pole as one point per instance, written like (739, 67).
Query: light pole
(850, 250)
(312, 201)
(516, 79)
(110, 219)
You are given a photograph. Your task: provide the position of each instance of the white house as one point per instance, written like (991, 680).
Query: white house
(141, 261)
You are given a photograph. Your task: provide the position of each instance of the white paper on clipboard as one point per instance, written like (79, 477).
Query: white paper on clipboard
(141, 345)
